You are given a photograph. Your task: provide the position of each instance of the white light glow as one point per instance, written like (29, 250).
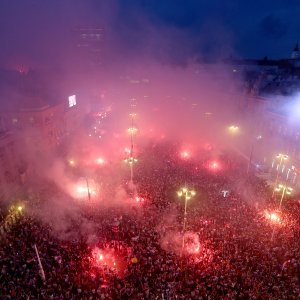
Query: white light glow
(72, 100)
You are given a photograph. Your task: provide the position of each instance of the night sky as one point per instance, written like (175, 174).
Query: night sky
(39, 32)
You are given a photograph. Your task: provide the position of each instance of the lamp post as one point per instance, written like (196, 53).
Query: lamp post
(88, 188)
(281, 157)
(131, 160)
(285, 191)
(233, 129)
(187, 194)
(132, 130)
(257, 138)
(132, 115)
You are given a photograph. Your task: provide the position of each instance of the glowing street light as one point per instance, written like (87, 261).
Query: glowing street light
(132, 130)
(233, 129)
(132, 115)
(285, 191)
(131, 160)
(72, 163)
(282, 158)
(187, 194)
(100, 161)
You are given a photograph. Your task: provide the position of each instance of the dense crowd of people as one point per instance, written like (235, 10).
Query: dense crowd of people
(231, 250)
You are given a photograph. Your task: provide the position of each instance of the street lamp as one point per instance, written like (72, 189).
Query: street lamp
(257, 138)
(233, 129)
(281, 157)
(131, 160)
(88, 188)
(132, 130)
(285, 191)
(132, 115)
(187, 194)
(72, 163)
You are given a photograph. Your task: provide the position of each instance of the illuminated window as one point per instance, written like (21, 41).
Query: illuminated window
(14, 120)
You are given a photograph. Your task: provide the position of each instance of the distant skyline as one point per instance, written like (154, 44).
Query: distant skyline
(40, 32)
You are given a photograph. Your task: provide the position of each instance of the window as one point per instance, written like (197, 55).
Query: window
(72, 100)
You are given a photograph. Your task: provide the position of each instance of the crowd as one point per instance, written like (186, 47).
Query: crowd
(241, 254)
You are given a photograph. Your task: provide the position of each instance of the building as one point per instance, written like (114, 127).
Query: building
(270, 108)
(7, 158)
(31, 125)
(296, 52)
(28, 134)
(49, 122)
(90, 44)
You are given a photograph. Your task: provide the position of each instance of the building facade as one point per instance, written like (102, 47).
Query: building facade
(26, 134)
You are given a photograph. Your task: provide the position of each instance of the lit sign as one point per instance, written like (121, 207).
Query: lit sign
(72, 100)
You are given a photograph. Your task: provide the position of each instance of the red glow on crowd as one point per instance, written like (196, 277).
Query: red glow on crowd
(136, 200)
(84, 191)
(192, 244)
(101, 258)
(139, 199)
(214, 165)
(100, 161)
(208, 147)
(185, 154)
(273, 217)
(127, 150)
